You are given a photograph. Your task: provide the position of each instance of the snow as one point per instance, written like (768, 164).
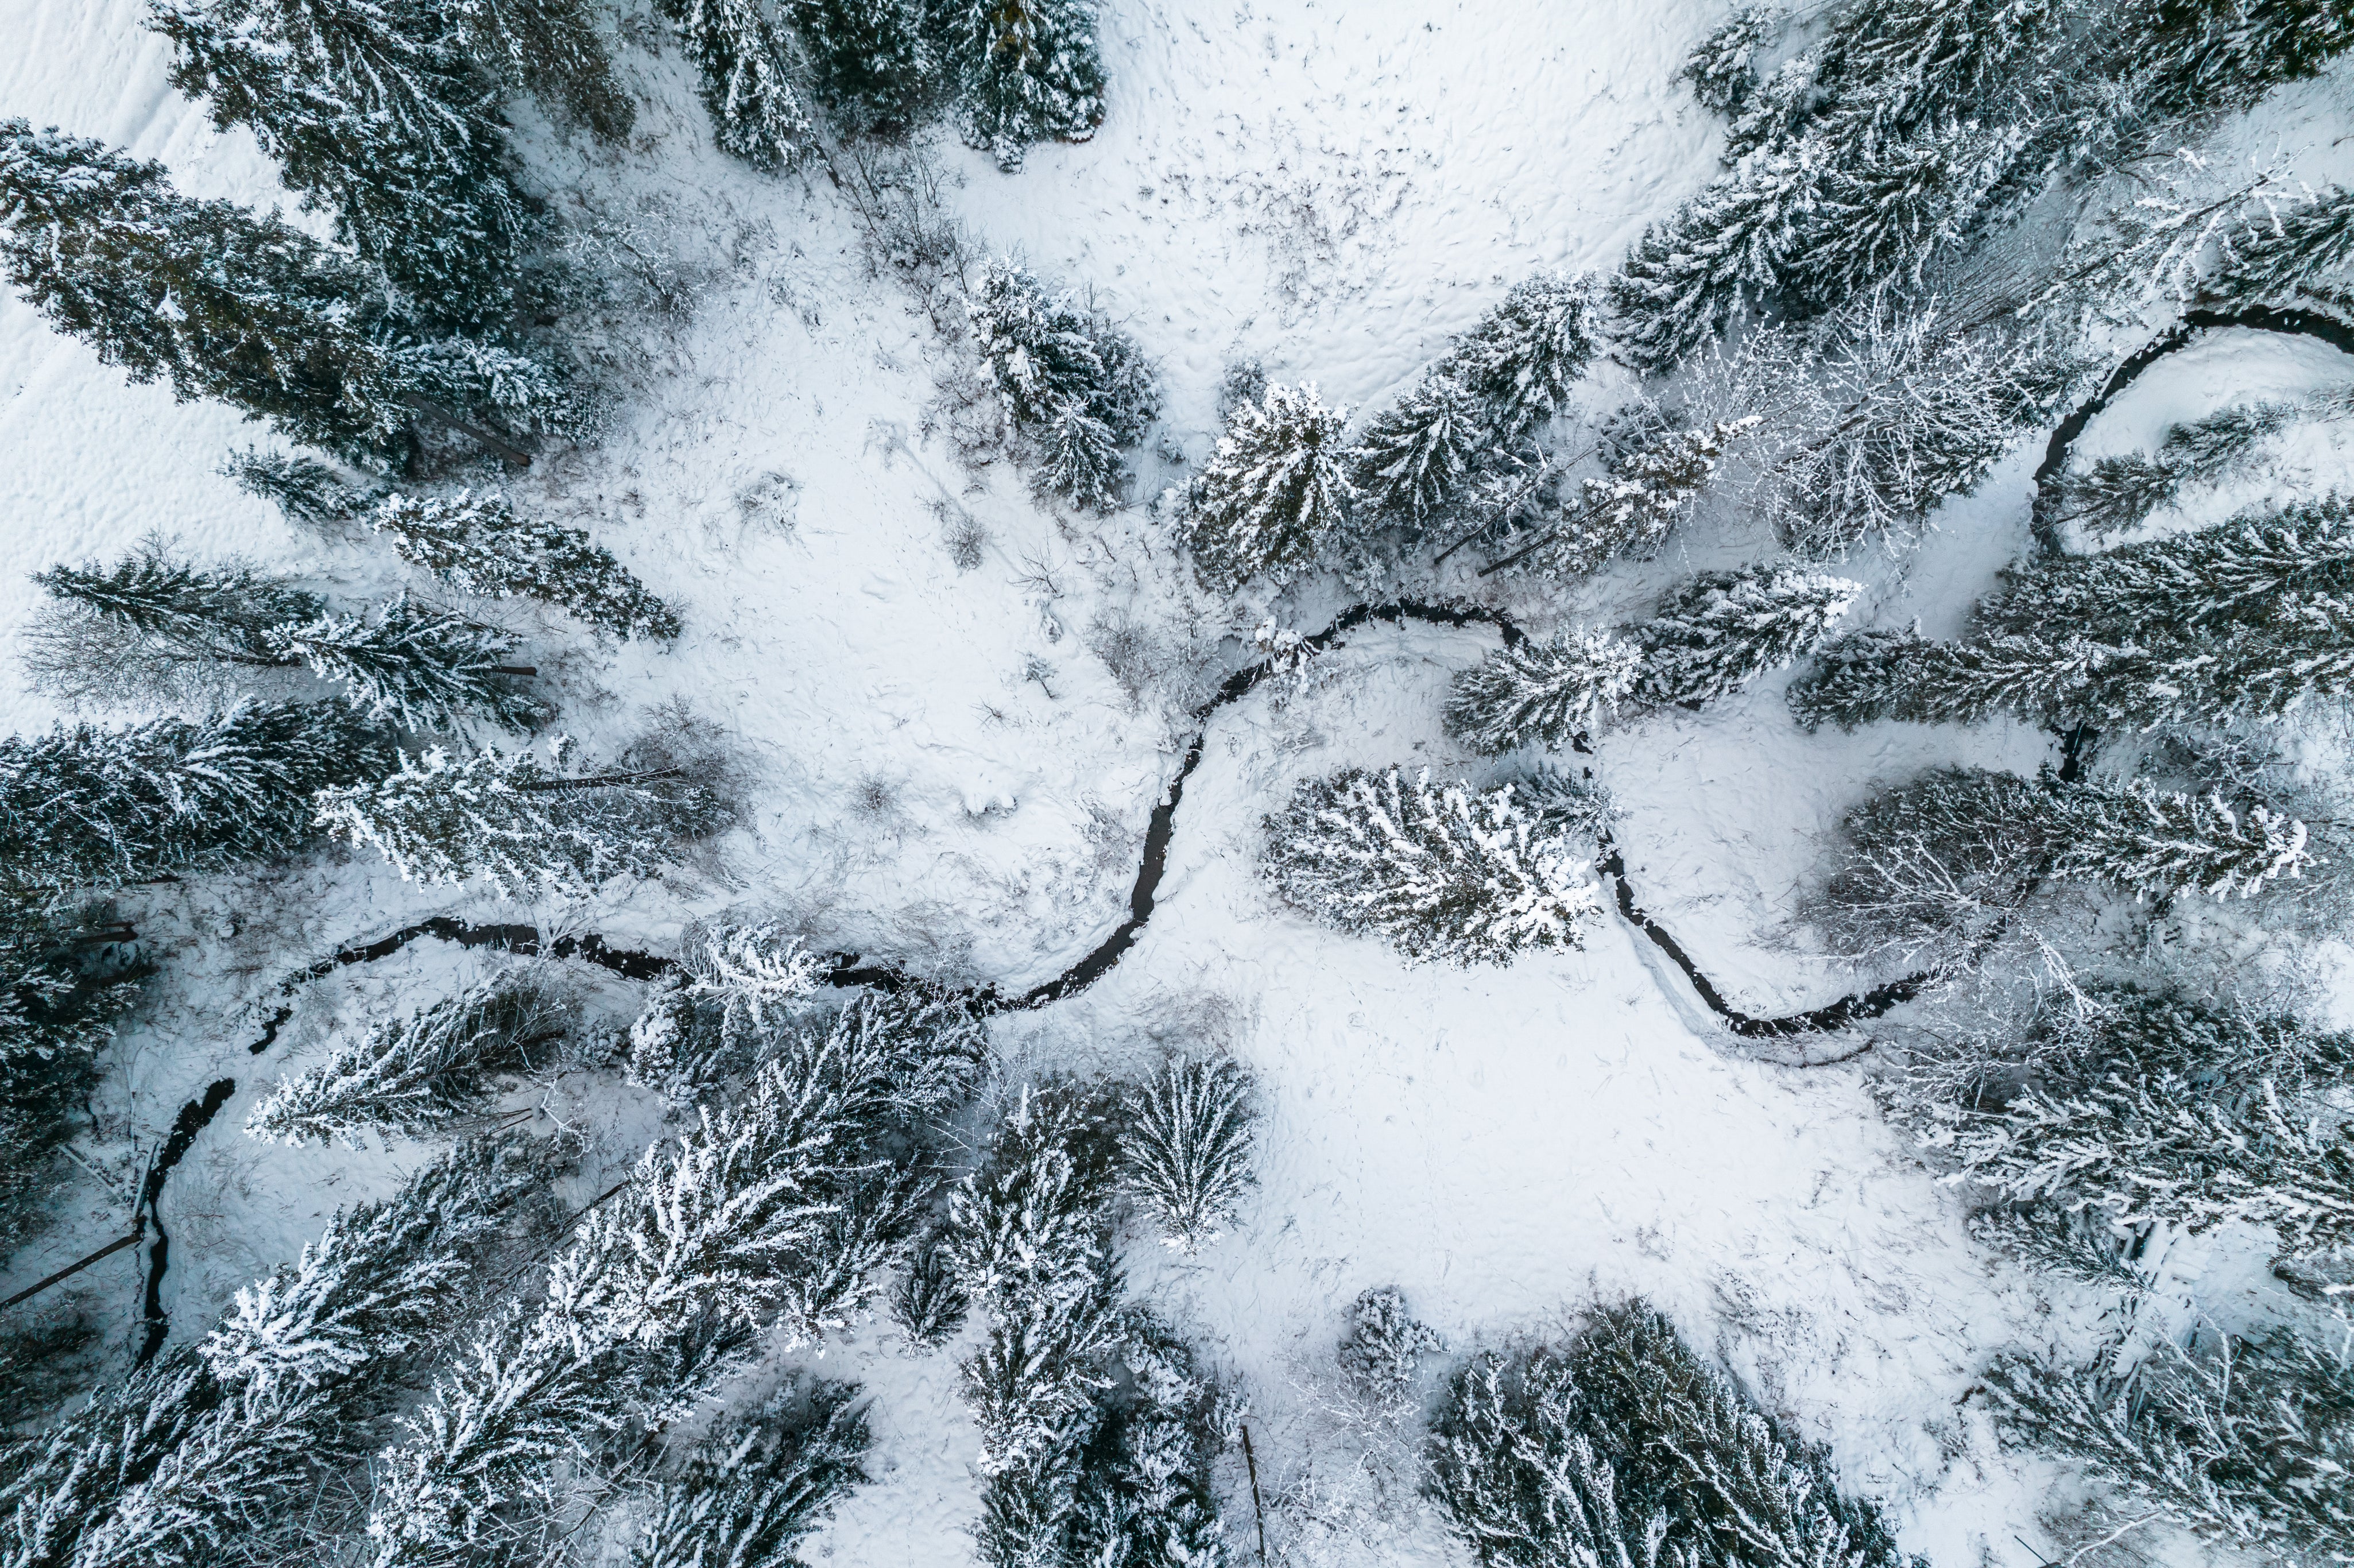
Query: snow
(1334, 189)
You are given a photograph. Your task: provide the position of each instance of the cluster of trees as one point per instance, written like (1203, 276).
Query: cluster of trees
(1712, 635)
(1075, 385)
(1624, 1447)
(1441, 871)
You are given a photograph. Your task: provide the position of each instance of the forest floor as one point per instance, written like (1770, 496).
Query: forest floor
(952, 710)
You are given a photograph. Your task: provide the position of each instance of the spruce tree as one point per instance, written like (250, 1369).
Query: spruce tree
(88, 807)
(1531, 693)
(306, 490)
(1066, 375)
(1521, 357)
(2117, 493)
(1630, 511)
(747, 70)
(518, 822)
(1185, 1148)
(753, 1488)
(204, 294)
(422, 1073)
(1716, 257)
(414, 666)
(929, 1302)
(1418, 456)
(2203, 56)
(381, 113)
(1277, 490)
(871, 62)
(478, 544)
(1441, 872)
(1720, 631)
(1383, 1351)
(2303, 249)
(1880, 219)
(1022, 71)
(1721, 67)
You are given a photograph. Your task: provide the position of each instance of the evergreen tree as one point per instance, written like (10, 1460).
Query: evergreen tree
(1382, 1353)
(2298, 251)
(154, 627)
(747, 73)
(85, 807)
(1717, 256)
(1629, 512)
(1880, 219)
(753, 1488)
(1065, 374)
(1185, 1148)
(306, 490)
(554, 48)
(872, 64)
(1531, 693)
(1275, 492)
(1418, 456)
(417, 1074)
(478, 544)
(381, 113)
(1720, 631)
(1022, 72)
(929, 1303)
(2117, 493)
(201, 293)
(2163, 1109)
(1721, 67)
(509, 818)
(1439, 871)
(1521, 358)
(2249, 1442)
(2202, 57)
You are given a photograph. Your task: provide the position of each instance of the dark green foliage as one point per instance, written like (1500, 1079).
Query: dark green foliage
(380, 113)
(752, 1488)
(1628, 1451)
(306, 490)
(1022, 71)
(929, 1303)
(1719, 254)
(2202, 57)
(1880, 218)
(2309, 246)
(554, 48)
(480, 545)
(869, 60)
(87, 807)
(1721, 67)
(2248, 1441)
(747, 73)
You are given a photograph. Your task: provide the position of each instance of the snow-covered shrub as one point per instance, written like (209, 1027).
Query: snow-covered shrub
(1276, 492)
(1065, 374)
(422, 1073)
(1543, 693)
(754, 1487)
(1383, 1351)
(2165, 1109)
(1185, 1148)
(747, 70)
(1520, 357)
(1441, 872)
(88, 807)
(1416, 457)
(2245, 1442)
(1022, 72)
(478, 544)
(518, 822)
(1720, 630)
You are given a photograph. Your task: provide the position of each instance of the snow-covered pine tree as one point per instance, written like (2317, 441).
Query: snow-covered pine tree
(1630, 511)
(418, 1074)
(711, 1231)
(1881, 672)
(747, 73)
(204, 294)
(2160, 845)
(1185, 1148)
(1022, 72)
(2200, 58)
(2242, 1441)
(1531, 693)
(2117, 493)
(1065, 374)
(1720, 631)
(1144, 1495)
(88, 807)
(480, 545)
(379, 112)
(524, 826)
(1382, 1353)
(2166, 1109)
(2305, 248)
(156, 628)
(870, 61)
(1032, 1380)
(1276, 489)
(1678, 1429)
(1417, 456)
(1521, 358)
(1525, 1486)
(1440, 871)
(554, 49)
(1722, 67)
(1719, 254)
(207, 1448)
(752, 1488)
(929, 1303)
(306, 490)
(1879, 218)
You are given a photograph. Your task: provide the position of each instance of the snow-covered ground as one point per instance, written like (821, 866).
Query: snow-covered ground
(943, 769)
